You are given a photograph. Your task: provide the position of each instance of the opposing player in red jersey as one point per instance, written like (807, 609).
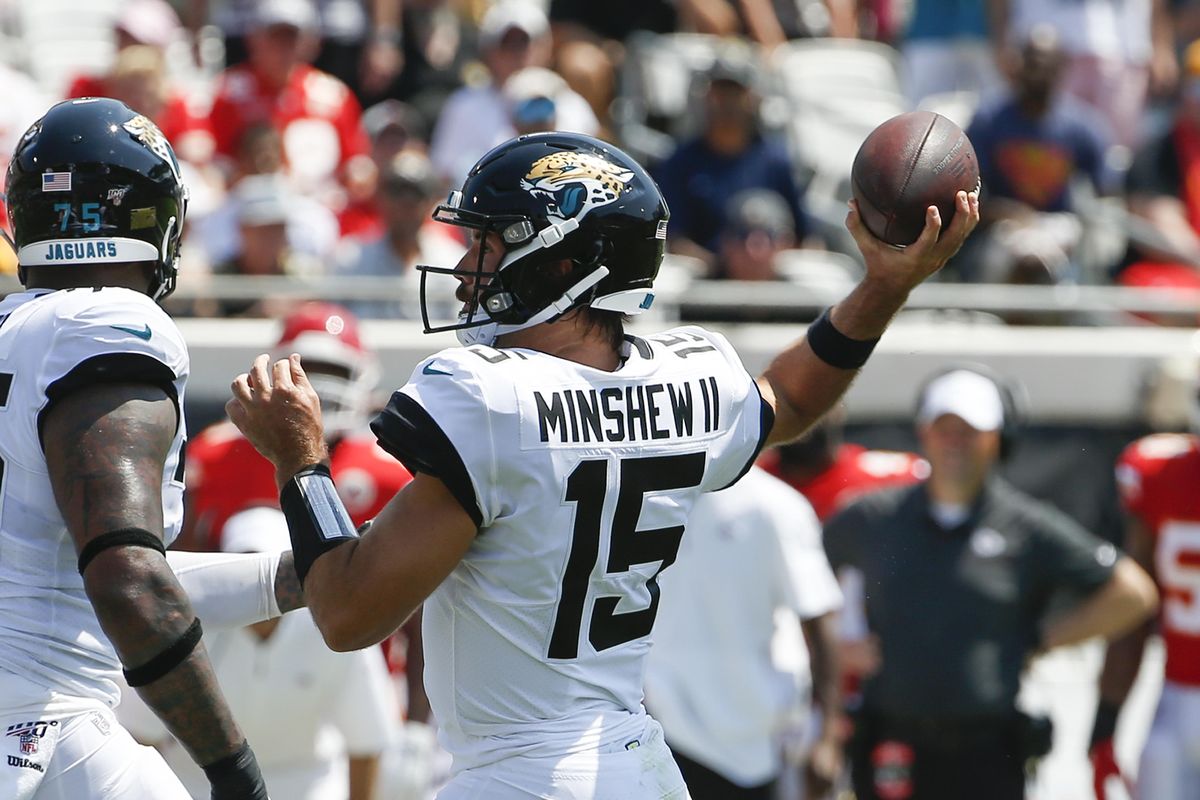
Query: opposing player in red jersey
(1159, 477)
(225, 474)
(831, 473)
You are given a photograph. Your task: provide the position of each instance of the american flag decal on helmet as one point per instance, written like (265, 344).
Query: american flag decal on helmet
(56, 181)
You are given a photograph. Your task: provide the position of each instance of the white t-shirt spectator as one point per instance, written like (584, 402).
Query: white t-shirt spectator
(716, 679)
(376, 259)
(476, 118)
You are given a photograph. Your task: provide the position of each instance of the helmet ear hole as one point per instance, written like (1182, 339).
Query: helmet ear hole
(594, 254)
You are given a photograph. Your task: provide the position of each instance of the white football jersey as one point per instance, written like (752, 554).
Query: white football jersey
(53, 343)
(581, 482)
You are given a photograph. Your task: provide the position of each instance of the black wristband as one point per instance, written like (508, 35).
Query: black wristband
(237, 776)
(168, 659)
(121, 537)
(835, 348)
(1105, 726)
(316, 519)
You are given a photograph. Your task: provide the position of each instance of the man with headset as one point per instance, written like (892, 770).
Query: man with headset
(965, 579)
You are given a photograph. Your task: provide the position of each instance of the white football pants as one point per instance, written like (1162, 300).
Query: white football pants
(1170, 765)
(85, 756)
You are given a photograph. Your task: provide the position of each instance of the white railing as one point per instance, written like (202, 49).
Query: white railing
(1082, 373)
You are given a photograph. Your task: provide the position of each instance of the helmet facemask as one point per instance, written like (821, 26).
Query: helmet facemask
(506, 299)
(345, 396)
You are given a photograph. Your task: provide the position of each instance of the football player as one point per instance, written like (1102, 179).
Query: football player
(92, 376)
(1157, 477)
(225, 473)
(555, 461)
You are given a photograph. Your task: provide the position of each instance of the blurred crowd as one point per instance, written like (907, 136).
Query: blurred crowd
(317, 135)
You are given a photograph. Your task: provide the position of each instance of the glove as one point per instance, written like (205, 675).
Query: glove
(237, 777)
(1104, 767)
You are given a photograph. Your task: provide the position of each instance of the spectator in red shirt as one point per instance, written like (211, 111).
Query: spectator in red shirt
(317, 116)
(142, 32)
(392, 127)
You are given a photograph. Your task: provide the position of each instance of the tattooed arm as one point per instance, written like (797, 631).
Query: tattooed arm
(288, 594)
(106, 448)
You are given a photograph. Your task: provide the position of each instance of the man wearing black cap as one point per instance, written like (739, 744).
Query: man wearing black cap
(730, 155)
(961, 575)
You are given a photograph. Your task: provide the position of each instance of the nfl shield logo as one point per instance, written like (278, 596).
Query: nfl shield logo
(29, 743)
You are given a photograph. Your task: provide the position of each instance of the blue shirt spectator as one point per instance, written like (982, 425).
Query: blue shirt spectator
(698, 182)
(1033, 158)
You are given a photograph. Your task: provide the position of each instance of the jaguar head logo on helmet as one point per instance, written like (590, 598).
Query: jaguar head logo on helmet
(564, 205)
(574, 183)
(94, 182)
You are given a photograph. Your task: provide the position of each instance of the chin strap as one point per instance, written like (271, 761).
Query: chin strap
(487, 333)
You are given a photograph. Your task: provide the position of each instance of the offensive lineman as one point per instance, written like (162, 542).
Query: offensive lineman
(92, 376)
(555, 461)
(1157, 477)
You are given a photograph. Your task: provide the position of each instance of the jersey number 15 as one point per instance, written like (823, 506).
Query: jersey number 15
(586, 488)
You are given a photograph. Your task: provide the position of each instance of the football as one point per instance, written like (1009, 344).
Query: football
(907, 164)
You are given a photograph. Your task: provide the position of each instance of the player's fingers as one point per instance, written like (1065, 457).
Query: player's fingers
(259, 379)
(281, 373)
(236, 412)
(242, 393)
(299, 376)
(865, 240)
(929, 234)
(966, 217)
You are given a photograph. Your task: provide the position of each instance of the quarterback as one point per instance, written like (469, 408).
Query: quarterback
(92, 378)
(555, 461)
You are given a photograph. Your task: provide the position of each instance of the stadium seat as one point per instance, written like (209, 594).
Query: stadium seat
(659, 84)
(820, 270)
(64, 38)
(830, 67)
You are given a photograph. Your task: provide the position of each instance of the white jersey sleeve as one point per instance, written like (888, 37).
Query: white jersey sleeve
(87, 337)
(438, 423)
